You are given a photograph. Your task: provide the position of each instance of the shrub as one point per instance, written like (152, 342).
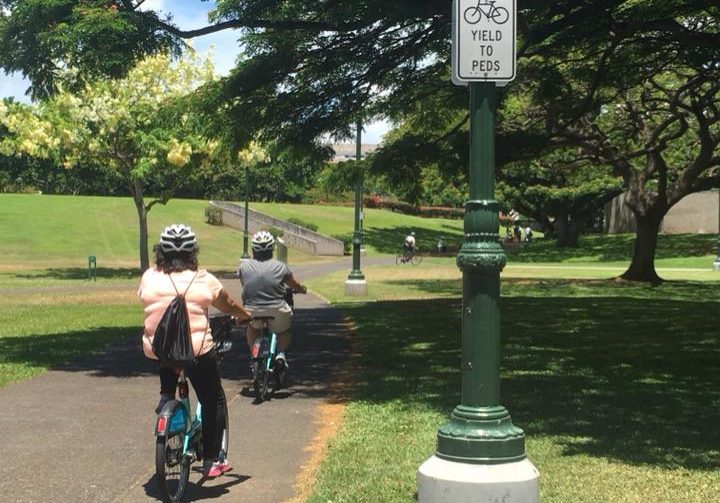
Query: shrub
(308, 225)
(275, 231)
(213, 215)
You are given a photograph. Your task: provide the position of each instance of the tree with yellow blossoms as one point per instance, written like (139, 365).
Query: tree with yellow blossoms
(138, 126)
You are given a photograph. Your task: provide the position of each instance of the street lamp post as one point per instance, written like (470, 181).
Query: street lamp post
(355, 284)
(716, 262)
(245, 254)
(480, 454)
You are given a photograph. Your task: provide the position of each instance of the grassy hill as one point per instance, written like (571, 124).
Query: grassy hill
(48, 231)
(41, 231)
(44, 231)
(384, 231)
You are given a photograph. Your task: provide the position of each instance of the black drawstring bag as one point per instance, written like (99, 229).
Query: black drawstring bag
(172, 343)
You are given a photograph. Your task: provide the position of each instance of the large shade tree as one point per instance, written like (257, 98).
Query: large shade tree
(138, 127)
(312, 67)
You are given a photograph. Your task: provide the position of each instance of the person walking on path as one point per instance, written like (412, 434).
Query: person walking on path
(176, 270)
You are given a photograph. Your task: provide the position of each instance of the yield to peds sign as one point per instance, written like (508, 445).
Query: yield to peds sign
(483, 41)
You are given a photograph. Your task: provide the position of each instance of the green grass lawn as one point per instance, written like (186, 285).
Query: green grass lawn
(615, 385)
(673, 251)
(41, 328)
(384, 231)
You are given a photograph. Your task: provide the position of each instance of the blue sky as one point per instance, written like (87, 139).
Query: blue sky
(188, 14)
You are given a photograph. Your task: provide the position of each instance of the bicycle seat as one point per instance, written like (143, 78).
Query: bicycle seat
(262, 318)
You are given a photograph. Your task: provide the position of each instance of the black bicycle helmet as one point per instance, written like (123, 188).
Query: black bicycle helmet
(263, 241)
(178, 238)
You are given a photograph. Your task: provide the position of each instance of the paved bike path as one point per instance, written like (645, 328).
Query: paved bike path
(83, 432)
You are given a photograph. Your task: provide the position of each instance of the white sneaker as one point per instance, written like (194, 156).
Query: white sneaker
(281, 361)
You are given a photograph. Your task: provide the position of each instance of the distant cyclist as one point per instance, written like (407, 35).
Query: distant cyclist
(409, 245)
(265, 282)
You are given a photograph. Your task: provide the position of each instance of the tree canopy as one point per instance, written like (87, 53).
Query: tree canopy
(136, 128)
(626, 83)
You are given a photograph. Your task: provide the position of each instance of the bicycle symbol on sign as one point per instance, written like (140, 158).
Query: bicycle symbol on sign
(497, 15)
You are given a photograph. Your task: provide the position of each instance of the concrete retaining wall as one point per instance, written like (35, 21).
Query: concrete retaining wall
(295, 236)
(696, 214)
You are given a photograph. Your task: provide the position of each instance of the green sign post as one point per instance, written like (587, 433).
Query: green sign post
(480, 454)
(92, 268)
(716, 262)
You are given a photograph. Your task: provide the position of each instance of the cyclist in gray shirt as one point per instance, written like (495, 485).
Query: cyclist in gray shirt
(265, 282)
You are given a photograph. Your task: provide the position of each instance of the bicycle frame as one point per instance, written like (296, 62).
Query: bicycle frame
(271, 337)
(262, 358)
(169, 421)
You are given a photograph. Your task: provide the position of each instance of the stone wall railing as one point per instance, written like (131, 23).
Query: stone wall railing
(295, 236)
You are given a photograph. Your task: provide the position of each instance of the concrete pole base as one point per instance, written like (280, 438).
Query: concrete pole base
(441, 481)
(355, 287)
(716, 265)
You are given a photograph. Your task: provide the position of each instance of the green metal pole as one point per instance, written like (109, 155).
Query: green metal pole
(245, 254)
(716, 262)
(480, 430)
(356, 273)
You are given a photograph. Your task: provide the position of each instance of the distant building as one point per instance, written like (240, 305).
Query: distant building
(346, 151)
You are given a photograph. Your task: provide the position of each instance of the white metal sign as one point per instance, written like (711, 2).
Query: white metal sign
(483, 41)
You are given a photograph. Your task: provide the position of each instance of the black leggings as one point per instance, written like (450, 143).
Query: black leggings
(205, 378)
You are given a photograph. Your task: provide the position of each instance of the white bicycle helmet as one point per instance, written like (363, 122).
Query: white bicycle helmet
(263, 241)
(178, 238)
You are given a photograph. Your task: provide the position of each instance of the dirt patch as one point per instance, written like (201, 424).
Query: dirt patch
(329, 419)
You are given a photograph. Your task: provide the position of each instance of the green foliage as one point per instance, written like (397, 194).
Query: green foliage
(127, 127)
(276, 231)
(213, 215)
(99, 38)
(302, 223)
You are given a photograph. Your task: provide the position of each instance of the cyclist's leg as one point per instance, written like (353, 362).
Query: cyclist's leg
(205, 378)
(251, 335)
(282, 325)
(168, 385)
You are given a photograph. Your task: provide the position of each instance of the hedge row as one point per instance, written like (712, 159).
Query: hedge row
(374, 201)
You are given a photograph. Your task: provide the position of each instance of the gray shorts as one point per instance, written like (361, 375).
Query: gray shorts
(282, 321)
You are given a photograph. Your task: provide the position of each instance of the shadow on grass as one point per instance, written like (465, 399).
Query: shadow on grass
(632, 379)
(70, 273)
(619, 247)
(391, 240)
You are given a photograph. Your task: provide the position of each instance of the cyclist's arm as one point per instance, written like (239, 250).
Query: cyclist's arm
(227, 304)
(292, 283)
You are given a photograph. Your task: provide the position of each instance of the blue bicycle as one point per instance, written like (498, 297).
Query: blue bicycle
(179, 434)
(262, 361)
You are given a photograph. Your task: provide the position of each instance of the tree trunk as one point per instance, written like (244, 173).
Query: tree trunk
(642, 267)
(136, 189)
(568, 228)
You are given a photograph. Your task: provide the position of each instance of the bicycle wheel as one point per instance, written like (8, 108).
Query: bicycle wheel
(416, 259)
(265, 385)
(500, 15)
(399, 259)
(472, 15)
(256, 378)
(172, 469)
(279, 378)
